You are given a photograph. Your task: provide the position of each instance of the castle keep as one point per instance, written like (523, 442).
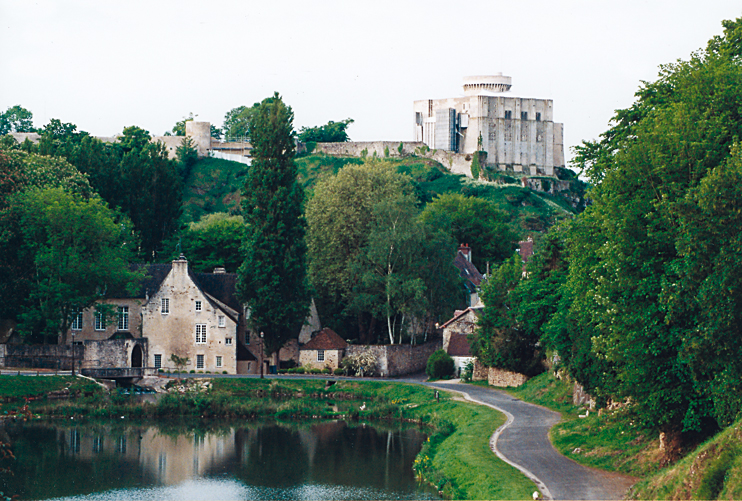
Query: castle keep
(518, 134)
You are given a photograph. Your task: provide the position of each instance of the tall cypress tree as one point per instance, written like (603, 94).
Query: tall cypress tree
(272, 278)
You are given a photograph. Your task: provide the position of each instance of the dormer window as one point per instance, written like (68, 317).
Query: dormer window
(165, 306)
(198, 305)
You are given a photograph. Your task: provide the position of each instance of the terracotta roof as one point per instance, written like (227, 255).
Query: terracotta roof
(326, 339)
(458, 346)
(468, 271)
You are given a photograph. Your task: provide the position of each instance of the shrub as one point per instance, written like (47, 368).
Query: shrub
(314, 370)
(326, 371)
(283, 371)
(339, 371)
(440, 365)
(468, 371)
(300, 370)
(359, 365)
(192, 371)
(225, 372)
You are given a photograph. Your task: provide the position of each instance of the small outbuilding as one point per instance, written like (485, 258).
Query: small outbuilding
(325, 350)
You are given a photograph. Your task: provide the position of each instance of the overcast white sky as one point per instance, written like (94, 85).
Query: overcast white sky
(105, 65)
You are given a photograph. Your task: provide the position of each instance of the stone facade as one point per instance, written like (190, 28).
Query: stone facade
(330, 359)
(114, 353)
(398, 359)
(518, 134)
(48, 356)
(182, 319)
(125, 322)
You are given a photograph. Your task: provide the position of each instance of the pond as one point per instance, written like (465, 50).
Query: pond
(236, 461)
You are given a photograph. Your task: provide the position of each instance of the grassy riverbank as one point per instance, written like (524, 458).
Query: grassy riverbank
(456, 459)
(613, 440)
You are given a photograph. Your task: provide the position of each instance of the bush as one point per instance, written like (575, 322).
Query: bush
(300, 370)
(326, 371)
(283, 371)
(339, 371)
(440, 365)
(468, 371)
(314, 370)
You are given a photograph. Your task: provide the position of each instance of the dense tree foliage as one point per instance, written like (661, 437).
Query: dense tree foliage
(133, 174)
(371, 260)
(332, 132)
(237, 122)
(474, 221)
(16, 119)
(213, 241)
(272, 278)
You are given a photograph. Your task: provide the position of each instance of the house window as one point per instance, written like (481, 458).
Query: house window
(158, 361)
(200, 333)
(538, 116)
(77, 321)
(165, 306)
(218, 361)
(508, 114)
(199, 361)
(198, 305)
(222, 321)
(320, 355)
(228, 341)
(123, 318)
(100, 321)
(524, 115)
(247, 337)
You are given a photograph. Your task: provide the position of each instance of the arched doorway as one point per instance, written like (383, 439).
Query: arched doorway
(136, 356)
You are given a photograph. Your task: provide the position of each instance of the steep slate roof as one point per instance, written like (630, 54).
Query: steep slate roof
(326, 339)
(244, 354)
(458, 345)
(468, 271)
(222, 286)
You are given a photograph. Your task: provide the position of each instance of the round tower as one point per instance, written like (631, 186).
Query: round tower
(200, 132)
(487, 84)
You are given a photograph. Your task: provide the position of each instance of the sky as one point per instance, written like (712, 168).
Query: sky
(105, 65)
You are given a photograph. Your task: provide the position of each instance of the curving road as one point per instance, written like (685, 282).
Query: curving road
(523, 442)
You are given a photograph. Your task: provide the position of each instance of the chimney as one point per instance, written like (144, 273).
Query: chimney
(180, 265)
(466, 251)
(219, 270)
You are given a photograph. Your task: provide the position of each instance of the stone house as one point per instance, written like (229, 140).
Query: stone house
(175, 312)
(455, 332)
(326, 349)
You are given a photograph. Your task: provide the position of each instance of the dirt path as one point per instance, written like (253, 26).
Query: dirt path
(523, 441)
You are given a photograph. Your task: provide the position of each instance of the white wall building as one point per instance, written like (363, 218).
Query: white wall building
(518, 134)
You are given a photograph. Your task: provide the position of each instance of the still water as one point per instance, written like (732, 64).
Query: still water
(329, 460)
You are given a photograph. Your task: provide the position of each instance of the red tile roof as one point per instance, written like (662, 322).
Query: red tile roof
(326, 339)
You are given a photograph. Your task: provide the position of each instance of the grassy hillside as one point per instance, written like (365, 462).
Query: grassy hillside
(214, 185)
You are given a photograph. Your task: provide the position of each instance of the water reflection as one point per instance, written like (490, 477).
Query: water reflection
(328, 460)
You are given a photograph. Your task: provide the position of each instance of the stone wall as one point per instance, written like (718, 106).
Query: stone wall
(308, 359)
(398, 359)
(481, 372)
(503, 379)
(112, 353)
(40, 356)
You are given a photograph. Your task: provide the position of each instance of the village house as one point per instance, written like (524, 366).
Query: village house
(194, 316)
(455, 340)
(470, 274)
(325, 350)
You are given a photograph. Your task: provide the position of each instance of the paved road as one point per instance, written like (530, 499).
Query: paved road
(524, 443)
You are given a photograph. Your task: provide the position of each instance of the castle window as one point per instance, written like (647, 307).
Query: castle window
(524, 115)
(123, 318)
(158, 361)
(200, 333)
(199, 361)
(198, 305)
(508, 114)
(538, 116)
(77, 321)
(165, 309)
